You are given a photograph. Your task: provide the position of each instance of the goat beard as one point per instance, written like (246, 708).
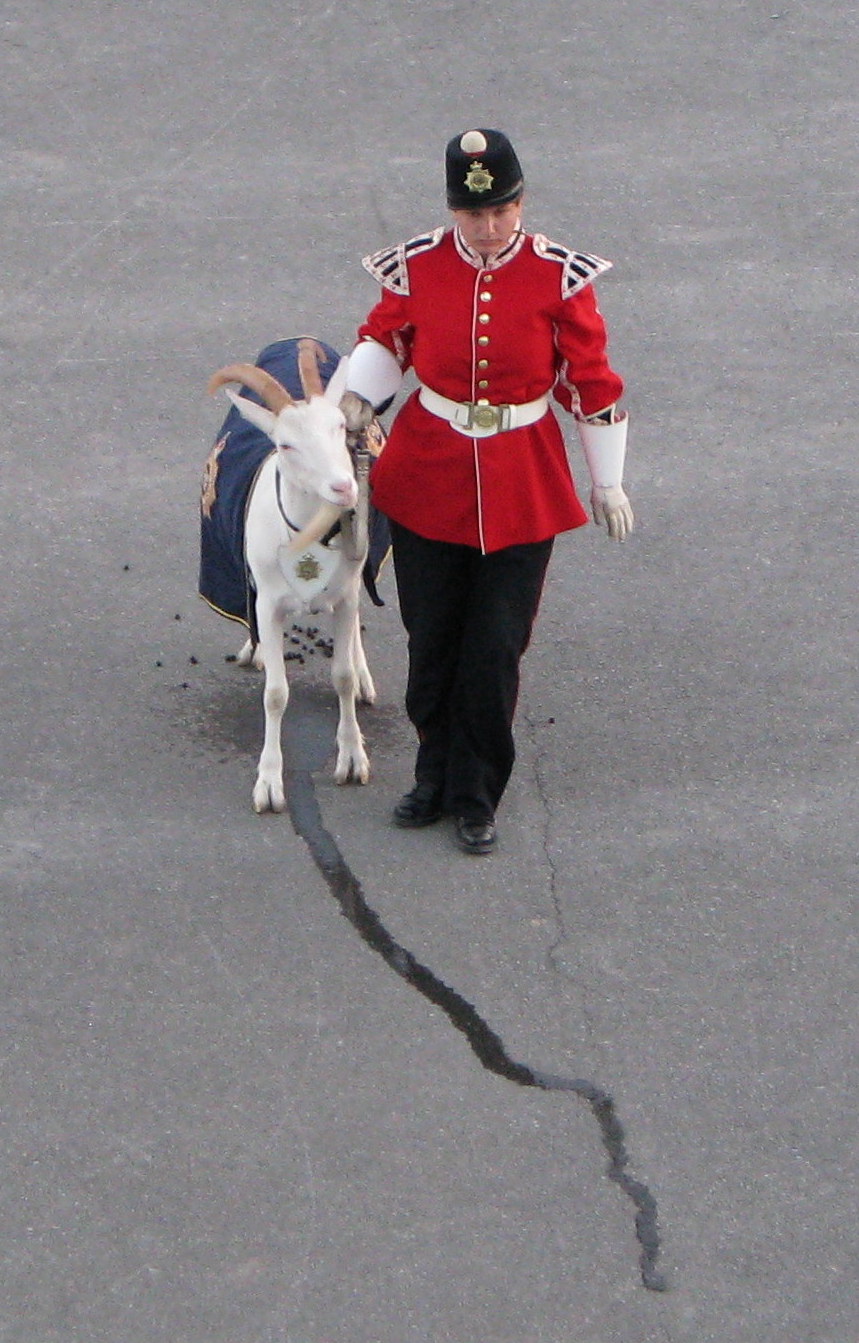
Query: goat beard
(321, 522)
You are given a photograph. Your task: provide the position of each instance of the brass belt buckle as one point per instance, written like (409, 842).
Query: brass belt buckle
(485, 417)
(488, 417)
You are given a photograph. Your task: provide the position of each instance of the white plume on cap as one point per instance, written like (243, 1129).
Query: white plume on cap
(473, 142)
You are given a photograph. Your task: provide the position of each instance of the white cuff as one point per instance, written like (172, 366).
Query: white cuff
(605, 450)
(373, 372)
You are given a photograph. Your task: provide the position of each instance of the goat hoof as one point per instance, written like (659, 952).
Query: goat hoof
(353, 771)
(268, 797)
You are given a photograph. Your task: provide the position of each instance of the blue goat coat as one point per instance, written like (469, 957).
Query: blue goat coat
(231, 469)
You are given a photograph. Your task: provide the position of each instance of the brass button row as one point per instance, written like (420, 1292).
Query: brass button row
(485, 294)
(483, 318)
(485, 297)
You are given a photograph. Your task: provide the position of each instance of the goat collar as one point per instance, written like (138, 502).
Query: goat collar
(324, 540)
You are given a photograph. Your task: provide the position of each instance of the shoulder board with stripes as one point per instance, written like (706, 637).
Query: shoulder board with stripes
(578, 268)
(390, 266)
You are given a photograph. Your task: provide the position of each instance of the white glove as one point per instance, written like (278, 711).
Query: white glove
(604, 444)
(610, 505)
(373, 373)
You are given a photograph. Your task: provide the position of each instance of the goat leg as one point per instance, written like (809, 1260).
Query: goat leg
(349, 680)
(268, 793)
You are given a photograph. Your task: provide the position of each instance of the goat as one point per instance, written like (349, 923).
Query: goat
(296, 481)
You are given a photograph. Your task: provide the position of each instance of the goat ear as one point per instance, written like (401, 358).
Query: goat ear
(261, 416)
(337, 383)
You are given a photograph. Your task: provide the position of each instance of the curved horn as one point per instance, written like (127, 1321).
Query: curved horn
(273, 393)
(310, 356)
(321, 522)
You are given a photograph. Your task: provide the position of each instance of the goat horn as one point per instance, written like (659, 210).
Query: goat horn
(321, 522)
(273, 393)
(310, 356)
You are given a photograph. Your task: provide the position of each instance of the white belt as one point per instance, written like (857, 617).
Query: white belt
(478, 419)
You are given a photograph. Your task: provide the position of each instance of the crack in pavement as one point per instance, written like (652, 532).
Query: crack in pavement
(554, 952)
(307, 822)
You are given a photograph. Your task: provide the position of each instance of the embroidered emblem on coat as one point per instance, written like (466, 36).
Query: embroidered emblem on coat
(578, 268)
(209, 488)
(374, 438)
(390, 266)
(479, 178)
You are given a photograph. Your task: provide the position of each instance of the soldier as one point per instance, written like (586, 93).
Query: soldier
(474, 478)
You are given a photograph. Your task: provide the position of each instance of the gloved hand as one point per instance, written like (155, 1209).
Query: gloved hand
(358, 412)
(610, 505)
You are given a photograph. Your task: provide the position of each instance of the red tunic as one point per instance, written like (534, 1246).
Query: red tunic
(509, 331)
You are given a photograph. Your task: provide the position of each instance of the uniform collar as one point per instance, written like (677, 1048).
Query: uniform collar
(500, 259)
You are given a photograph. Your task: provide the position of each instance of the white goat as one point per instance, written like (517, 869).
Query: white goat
(306, 484)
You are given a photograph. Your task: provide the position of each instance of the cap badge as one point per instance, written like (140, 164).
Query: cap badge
(478, 178)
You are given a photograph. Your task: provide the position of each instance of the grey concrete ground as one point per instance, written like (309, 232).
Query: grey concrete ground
(225, 1119)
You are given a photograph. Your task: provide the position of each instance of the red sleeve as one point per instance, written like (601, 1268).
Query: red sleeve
(586, 381)
(389, 324)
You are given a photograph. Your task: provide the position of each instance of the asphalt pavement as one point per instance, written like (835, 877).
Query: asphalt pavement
(308, 1078)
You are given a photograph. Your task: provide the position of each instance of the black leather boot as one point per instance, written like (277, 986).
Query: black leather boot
(475, 836)
(422, 806)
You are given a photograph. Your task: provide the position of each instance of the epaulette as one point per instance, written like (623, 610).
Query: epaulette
(578, 268)
(390, 266)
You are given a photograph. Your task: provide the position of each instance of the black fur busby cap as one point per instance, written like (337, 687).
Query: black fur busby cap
(481, 168)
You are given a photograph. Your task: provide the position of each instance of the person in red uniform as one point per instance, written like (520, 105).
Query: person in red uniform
(474, 478)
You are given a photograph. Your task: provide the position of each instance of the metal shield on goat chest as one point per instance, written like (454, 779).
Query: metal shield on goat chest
(309, 571)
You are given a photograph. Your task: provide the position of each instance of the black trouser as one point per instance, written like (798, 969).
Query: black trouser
(469, 618)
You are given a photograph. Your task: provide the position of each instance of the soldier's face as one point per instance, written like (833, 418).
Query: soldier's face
(490, 228)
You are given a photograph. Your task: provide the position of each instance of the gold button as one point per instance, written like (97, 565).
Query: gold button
(486, 296)
(487, 279)
(484, 317)
(483, 383)
(483, 340)
(482, 401)
(483, 363)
